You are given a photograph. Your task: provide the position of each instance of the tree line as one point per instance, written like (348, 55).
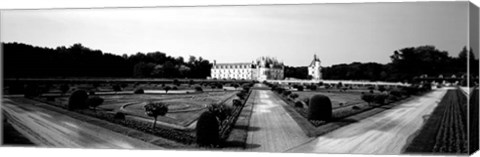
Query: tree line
(23, 60)
(406, 64)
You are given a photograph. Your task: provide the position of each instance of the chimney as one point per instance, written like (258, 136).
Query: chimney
(214, 62)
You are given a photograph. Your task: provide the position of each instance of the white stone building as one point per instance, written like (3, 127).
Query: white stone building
(315, 69)
(263, 69)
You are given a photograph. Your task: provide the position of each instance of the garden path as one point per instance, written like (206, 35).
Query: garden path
(271, 127)
(48, 128)
(383, 133)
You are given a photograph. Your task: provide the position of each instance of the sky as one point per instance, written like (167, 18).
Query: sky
(336, 33)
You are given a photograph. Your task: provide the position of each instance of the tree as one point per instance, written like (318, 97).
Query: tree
(155, 109)
(167, 88)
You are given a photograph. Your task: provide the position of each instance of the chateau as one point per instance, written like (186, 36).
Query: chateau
(264, 68)
(314, 69)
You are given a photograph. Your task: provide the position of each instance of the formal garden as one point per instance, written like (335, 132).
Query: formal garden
(320, 108)
(188, 113)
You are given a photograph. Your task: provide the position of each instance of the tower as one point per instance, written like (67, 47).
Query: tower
(314, 69)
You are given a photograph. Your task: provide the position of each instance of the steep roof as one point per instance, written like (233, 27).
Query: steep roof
(314, 60)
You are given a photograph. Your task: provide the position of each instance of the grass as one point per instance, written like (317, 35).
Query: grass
(184, 109)
(445, 129)
(338, 99)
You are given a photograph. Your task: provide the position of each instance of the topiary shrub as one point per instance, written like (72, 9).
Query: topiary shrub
(236, 85)
(320, 108)
(286, 93)
(237, 102)
(119, 116)
(167, 88)
(198, 89)
(155, 109)
(313, 87)
(355, 107)
(241, 95)
(207, 130)
(220, 111)
(78, 100)
(299, 104)
(139, 91)
(300, 88)
(246, 87)
(294, 95)
(380, 99)
(94, 102)
(219, 86)
(367, 98)
(174, 88)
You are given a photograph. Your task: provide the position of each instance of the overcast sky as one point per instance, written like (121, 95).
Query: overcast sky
(337, 33)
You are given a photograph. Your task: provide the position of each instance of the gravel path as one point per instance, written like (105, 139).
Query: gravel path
(271, 127)
(48, 128)
(384, 133)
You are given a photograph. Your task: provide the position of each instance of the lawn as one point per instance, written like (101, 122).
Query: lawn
(338, 99)
(184, 109)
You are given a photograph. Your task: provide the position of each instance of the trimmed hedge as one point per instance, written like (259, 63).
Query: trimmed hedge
(139, 91)
(78, 100)
(320, 108)
(208, 130)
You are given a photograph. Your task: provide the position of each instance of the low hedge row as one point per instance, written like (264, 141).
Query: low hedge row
(171, 134)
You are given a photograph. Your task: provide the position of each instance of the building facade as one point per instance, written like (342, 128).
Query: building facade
(315, 69)
(264, 68)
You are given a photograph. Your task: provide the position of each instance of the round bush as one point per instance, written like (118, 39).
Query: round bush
(207, 130)
(198, 89)
(139, 91)
(237, 102)
(299, 104)
(78, 100)
(320, 108)
(355, 107)
(119, 116)
(294, 95)
(287, 92)
(300, 88)
(380, 99)
(369, 98)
